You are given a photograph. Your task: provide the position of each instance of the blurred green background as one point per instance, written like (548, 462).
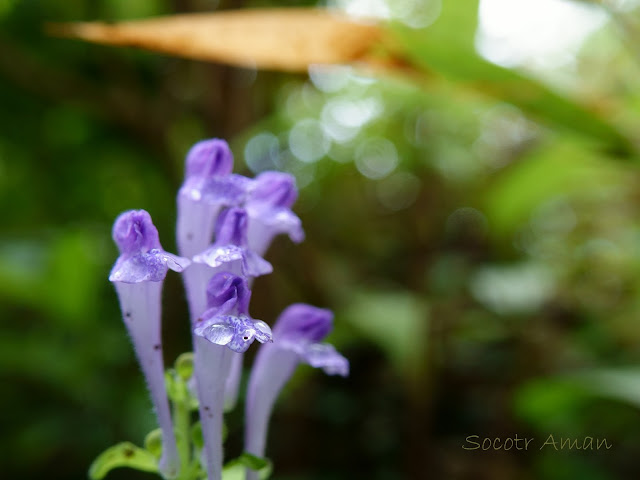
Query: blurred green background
(475, 228)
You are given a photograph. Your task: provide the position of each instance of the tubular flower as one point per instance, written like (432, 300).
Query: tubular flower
(268, 204)
(208, 187)
(231, 246)
(224, 329)
(298, 333)
(225, 224)
(138, 275)
(230, 251)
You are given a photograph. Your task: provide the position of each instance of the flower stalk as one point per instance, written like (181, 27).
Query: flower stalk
(224, 330)
(225, 224)
(138, 276)
(297, 336)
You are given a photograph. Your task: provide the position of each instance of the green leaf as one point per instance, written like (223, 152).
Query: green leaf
(552, 404)
(235, 469)
(396, 321)
(560, 403)
(124, 454)
(561, 167)
(447, 49)
(253, 462)
(617, 384)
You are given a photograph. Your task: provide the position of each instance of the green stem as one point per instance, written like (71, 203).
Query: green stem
(182, 424)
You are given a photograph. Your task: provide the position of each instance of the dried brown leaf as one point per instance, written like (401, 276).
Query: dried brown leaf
(274, 39)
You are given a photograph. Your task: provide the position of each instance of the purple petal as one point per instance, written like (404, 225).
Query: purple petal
(215, 256)
(218, 333)
(268, 204)
(236, 333)
(199, 204)
(253, 265)
(231, 228)
(246, 332)
(228, 293)
(283, 220)
(263, 331)
(325, 356)
(228, 191)
(134, 232)
(174, 262)
(209, 158)
(151, 266)
(273, 190)
(303, 323)
(265, 224)
(297, 331)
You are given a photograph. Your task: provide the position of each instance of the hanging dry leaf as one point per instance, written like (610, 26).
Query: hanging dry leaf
(277, 39)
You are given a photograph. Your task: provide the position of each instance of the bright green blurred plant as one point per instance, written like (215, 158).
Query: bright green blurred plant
(496, 186)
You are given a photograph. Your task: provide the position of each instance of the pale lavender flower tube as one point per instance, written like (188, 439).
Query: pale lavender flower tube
(224, 330)
(230, 251)
(208, 188)
(138, 276)
(208, 161)
(231, 248)
(297, 335)
(268, 204)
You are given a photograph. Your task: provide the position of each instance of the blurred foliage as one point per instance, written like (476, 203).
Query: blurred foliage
(475, 229)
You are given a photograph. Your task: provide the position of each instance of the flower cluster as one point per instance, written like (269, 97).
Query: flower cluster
(226, 223)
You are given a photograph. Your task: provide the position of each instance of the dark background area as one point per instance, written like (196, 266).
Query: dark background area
(475, 230)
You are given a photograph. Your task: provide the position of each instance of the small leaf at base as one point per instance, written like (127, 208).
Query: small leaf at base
(124, 454)
(235, 468)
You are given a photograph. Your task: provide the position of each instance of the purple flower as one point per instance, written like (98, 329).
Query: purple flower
(208, 187)
(231, 247)
(141, 257)
(228, 253)
(268, 204)
(138, 276)
(224, 329)
(297, 334)
(235, 332)
(226, 322)
(209, 158)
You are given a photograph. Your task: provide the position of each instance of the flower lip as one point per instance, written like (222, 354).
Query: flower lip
(142, 258)
(226, 291)
(231, 227)
(209, 158)
(273, 190)
(324, 356)
(302, 322)
(234, 332)
(134, 233)
(228, 190)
